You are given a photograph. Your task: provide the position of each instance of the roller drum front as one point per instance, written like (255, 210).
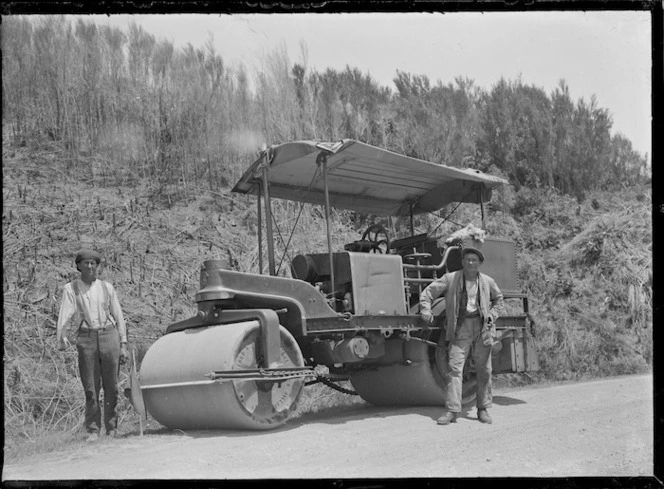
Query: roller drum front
(178, 395)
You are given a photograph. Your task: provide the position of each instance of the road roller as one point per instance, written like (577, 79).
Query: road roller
(257, 339)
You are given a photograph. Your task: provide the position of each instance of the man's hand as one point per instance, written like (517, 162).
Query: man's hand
(124, 356)
(64, 343)
(427, 317)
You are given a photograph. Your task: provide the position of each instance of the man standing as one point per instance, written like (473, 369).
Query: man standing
(473, 302)
(101, 340)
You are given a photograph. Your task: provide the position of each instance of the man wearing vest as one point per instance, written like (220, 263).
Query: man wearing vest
(101, 340)
(473, 302)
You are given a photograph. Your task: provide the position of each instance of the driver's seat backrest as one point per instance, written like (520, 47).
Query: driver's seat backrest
(499, 263)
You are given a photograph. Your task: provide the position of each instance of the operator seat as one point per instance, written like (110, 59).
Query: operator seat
(360, 246)
(406, 245)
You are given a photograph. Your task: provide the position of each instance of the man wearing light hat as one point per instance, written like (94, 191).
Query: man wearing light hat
(473, 302)
(101, 339)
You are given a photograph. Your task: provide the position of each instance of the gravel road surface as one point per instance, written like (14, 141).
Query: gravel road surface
(600, 428)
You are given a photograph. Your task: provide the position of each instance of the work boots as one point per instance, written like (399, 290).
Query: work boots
(483, 416)
(93, 437)
(447, 418)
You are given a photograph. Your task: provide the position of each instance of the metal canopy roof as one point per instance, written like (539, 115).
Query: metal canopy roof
(365, 179)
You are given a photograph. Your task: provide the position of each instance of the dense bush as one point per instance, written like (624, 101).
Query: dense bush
(145, 108)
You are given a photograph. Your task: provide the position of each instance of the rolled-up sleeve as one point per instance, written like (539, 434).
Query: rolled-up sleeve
(497, 302)
(67, 312)
(433, 291)
(116, 312)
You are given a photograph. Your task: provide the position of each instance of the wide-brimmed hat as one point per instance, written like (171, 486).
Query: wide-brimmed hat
(472, 250)
(88, 255)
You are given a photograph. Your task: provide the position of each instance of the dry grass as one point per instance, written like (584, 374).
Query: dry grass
(592, 286)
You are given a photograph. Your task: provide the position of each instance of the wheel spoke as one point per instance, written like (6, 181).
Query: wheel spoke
(372, 235)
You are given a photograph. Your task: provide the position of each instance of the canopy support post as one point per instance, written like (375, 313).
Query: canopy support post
(322, 160)
(259, 219)
(412, 222)
(481, 191)
(268, 214)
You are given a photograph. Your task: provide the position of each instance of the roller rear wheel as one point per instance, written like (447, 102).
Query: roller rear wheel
(411, 373)
(178, 395)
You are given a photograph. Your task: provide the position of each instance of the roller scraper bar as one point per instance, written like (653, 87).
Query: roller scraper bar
(271, 374)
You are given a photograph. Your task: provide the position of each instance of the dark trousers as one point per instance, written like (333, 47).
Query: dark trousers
(99, 363)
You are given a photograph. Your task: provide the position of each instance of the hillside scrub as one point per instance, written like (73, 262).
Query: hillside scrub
(586, 267)
(591, 285)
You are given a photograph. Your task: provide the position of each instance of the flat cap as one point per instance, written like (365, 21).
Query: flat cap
(472, 250)
(88, 255)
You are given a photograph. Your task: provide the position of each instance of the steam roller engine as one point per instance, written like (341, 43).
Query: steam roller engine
(239, 363)
(242, 361)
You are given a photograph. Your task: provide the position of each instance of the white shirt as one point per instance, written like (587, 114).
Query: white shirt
(471, 292)
(93, 298)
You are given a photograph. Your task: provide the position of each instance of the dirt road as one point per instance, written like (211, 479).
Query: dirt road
(602, 428)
